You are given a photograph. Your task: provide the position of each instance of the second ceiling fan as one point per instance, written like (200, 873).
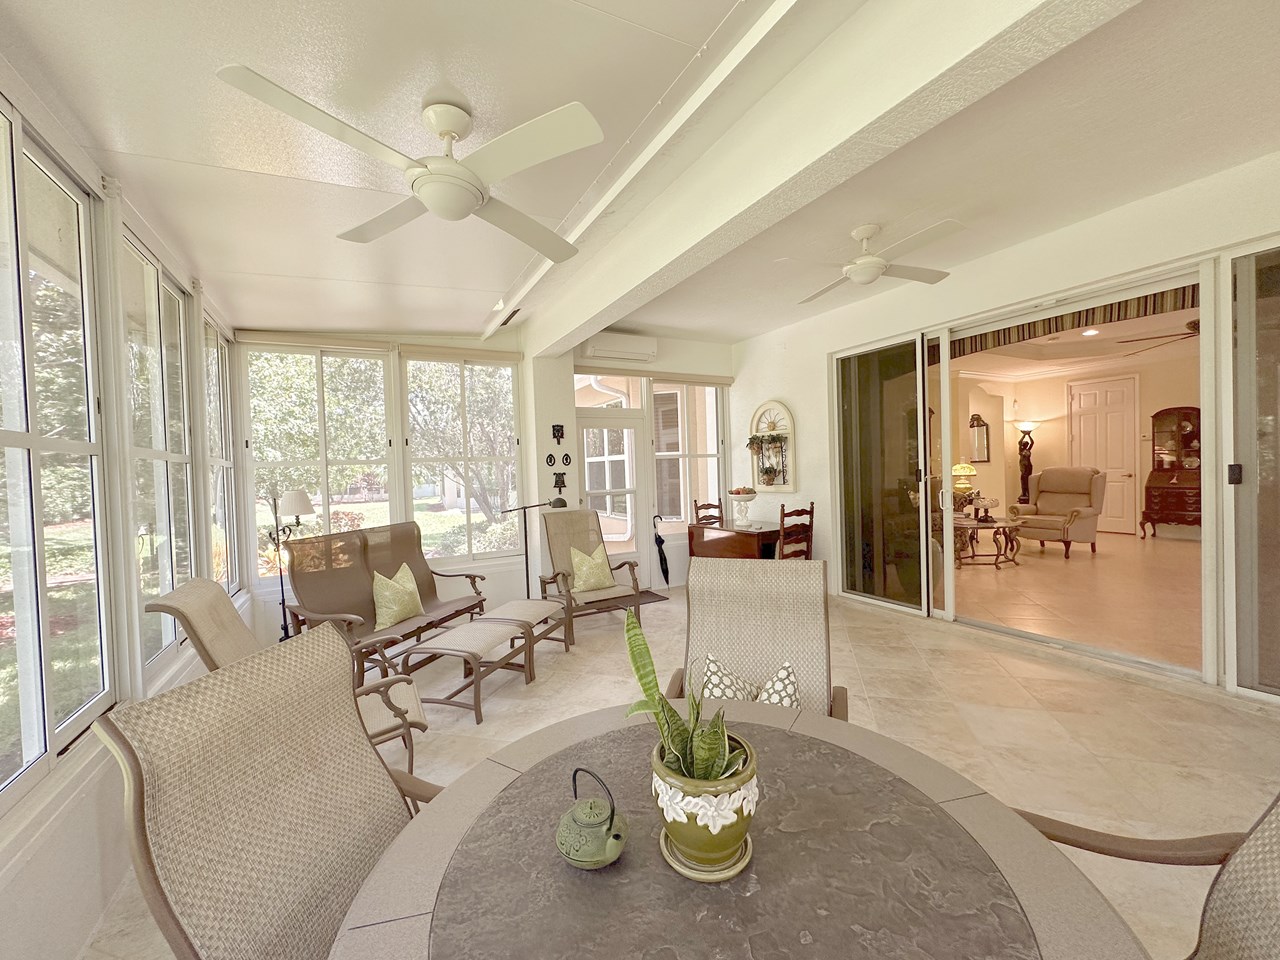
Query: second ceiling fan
(870, 267)
(451, 189)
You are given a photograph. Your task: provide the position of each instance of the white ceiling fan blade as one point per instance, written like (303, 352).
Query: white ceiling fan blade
(827, 289)
(921, 238)
(527, 230)
(385, 222)
(273, 95)
(543, 138)
(919, 274)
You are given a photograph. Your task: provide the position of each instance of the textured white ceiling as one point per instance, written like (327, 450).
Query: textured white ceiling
(253, 199)
(1169, 92)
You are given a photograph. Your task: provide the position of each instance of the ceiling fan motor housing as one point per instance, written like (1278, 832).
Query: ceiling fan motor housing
(865, 270)
(446, 188)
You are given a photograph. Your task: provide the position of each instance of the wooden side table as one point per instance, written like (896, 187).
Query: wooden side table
(1004, 538)
(726, 540)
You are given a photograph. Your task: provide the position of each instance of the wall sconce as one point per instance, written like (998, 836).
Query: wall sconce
(1025, 443)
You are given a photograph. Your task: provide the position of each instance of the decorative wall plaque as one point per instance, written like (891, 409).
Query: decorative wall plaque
(772, 446)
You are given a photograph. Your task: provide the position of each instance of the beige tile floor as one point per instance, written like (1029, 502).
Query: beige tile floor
(1059, 733)
(1135, 597)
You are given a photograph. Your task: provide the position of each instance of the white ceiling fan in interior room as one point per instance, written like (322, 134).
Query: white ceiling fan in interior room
(869, 267)
(451, 189)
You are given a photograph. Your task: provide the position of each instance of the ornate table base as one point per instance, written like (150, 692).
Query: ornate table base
(1004, 538)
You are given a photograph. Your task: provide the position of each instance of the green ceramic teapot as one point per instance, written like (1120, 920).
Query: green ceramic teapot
(592, 833)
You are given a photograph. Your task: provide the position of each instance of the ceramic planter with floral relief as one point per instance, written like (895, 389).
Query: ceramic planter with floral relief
(705, 822)
(703, 778)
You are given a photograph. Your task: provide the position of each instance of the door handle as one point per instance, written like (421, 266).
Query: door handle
(1126, 474)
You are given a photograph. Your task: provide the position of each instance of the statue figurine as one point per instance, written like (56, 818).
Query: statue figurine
(1025, 443)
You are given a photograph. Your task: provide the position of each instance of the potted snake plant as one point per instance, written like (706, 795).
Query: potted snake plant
(704, 778)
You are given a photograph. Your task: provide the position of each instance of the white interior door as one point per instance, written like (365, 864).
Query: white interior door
(613, 485)
(1104, 434)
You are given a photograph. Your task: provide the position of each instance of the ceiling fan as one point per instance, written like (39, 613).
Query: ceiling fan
(451, 189)
(868, 267)
(1193, 330)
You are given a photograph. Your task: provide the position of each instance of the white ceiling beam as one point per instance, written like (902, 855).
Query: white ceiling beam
(893, 70)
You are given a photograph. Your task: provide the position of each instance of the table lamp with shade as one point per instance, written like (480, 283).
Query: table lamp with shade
(296, 504)
(961, 477)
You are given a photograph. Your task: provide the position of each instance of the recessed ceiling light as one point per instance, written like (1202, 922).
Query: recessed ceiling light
(1089, 333)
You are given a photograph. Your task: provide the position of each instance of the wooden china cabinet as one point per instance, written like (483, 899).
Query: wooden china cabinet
(1173, 486)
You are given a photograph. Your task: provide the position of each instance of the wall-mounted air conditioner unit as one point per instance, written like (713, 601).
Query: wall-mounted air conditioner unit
(621, 346)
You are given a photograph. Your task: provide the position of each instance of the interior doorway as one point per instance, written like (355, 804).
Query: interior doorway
(1088, 489)
(1104, 433)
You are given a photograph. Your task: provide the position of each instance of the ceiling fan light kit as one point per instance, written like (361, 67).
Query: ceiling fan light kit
(449, 188)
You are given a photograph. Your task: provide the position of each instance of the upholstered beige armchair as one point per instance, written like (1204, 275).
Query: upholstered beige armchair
(1065, 505)
(1240, 919)
(255, 804)
(389, 706)
(752, 615)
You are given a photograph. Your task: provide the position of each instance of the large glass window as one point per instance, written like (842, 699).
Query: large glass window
(53, 666)
(155, 325)
(686, 448)
(223, 559)
(319, 424)
(462, 448)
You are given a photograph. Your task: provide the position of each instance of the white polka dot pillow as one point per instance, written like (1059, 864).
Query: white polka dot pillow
(719, 684)
(781, 688)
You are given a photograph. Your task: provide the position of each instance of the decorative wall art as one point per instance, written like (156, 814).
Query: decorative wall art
(772, 447)
(557, 432)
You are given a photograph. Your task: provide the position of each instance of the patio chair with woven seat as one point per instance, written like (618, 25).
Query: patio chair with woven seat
(569, 530)
(1241, 915)
(389, 706)
(754, 615)
(255, 804)
(332, 580)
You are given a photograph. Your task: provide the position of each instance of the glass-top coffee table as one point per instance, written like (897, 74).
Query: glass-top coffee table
(1004, 539)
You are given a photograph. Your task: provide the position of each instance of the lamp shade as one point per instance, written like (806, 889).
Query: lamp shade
(1026, 426)
(960, 474)
(296, 503)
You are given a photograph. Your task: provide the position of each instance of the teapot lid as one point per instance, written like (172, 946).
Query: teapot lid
(591, 812)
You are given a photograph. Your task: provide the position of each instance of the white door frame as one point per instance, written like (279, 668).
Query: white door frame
(1137, 434)
(642, 478)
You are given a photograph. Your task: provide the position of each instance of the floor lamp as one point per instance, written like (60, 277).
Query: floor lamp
(295, 503)
(556, 503)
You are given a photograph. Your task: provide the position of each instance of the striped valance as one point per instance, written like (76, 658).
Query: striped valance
(1166, 301)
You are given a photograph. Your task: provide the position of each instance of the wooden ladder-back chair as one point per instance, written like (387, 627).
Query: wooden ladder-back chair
(795, 539)
(708, 512)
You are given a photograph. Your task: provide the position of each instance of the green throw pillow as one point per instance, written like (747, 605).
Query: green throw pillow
(591, 572)
(395, 599)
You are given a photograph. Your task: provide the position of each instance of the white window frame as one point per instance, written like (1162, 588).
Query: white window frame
(57, 738)
(322, 462)
(685, 454)
(163, 661)
(225, 463)
(463, 459)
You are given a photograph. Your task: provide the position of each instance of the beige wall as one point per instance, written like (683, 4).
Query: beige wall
(1161, 383)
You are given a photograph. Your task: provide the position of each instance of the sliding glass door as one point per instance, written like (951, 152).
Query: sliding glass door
(1257, 444)
(883, 502)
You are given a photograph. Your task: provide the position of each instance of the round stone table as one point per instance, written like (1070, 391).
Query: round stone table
(864, 848)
